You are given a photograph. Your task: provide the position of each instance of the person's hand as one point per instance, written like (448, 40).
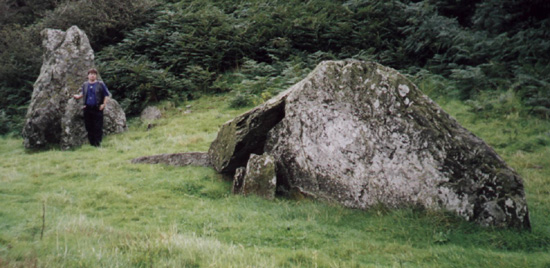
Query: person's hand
(101, 107)
(77, 96)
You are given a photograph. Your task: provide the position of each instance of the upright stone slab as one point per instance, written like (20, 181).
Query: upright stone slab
(259, 178)
(67, 58)
(362, 134)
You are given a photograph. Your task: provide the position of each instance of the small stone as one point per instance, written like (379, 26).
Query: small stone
(260, 178)
(150, 113)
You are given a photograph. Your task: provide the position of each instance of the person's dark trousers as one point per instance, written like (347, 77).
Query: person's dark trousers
(93, 121)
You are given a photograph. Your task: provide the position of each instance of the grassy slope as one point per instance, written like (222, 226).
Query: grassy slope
(100, 210)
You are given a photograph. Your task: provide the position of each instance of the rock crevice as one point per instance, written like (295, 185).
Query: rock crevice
(245, 135)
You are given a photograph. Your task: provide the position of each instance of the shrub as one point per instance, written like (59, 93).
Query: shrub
(103, 21)
(241, 100)
(139, 82)
(198, 80)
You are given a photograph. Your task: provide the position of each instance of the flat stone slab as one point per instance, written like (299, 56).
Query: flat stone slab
(178, 159)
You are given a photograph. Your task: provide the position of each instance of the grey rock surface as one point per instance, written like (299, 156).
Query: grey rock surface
(259, 177)
(73, 132)
(245, 135)
(114, 118)
(362, 134)
(67, 58)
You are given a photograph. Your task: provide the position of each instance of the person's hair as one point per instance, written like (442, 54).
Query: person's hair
(93, 70)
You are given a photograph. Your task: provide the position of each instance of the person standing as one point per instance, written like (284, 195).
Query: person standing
(96, 95)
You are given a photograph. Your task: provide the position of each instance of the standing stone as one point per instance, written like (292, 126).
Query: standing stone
(67, 58)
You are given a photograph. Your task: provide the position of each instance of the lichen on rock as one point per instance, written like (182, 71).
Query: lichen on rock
(362, 134)
(258, 178)
(53, 117)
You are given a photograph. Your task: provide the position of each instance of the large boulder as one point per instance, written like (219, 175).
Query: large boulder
(66, 59)
(362, 134)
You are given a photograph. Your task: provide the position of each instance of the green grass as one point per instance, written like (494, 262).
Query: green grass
(103, 211)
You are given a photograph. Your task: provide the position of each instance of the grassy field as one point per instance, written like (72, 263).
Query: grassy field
(90, 207)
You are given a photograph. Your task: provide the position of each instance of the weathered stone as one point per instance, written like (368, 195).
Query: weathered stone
(72, 125)
(260, 177)
(150, 113)
(362, 134)
(245, 135)
(179, 159)
(67, 58)
(114, 118)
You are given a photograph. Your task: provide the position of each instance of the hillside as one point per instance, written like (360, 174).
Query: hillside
(91, 207)
(486, 62)
(155, 50)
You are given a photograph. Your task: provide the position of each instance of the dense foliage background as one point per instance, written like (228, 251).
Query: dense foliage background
(495, 53)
